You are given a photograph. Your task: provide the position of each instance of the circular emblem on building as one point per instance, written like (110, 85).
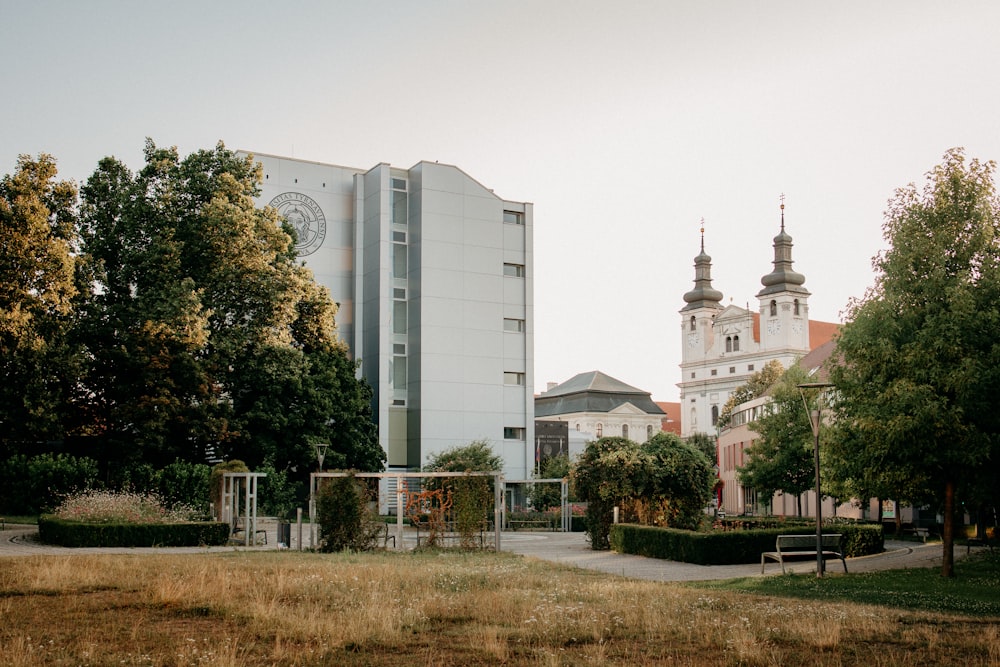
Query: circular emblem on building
(304, 214)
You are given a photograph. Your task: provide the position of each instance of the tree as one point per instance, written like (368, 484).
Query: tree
(706, 444)
(681, 479)
(471, 497)
(38, 361)
(207, 336)
(918, 367)
(781, 456)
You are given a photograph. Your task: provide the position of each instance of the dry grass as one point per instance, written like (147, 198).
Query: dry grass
(287, 608)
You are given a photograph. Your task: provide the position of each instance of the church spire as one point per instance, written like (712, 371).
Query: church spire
(782, 278)
(702, 296)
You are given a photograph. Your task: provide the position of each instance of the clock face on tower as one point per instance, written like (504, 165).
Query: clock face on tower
(774, 327)
(693, 340)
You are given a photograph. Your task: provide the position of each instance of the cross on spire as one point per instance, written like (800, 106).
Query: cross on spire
(782, 198)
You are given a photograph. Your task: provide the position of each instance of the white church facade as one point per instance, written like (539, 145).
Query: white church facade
(724, 345)
(433, 276)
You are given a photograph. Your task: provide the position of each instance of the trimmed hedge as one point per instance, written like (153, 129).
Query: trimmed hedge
(53, 530)
(731, 547)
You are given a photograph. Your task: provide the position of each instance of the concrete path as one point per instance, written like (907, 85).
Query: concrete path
(565, 548)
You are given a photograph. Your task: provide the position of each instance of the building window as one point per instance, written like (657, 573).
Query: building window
(692, 323)
(578, 426)
(513, 433)
(397, 293)
(796, 306)
(399, 349)
(398, 208)
(714, 372)
(729, 344)
(513, 325)
(513, 218)
(732, 369)
(398, 260)
(692, 375)
(513, 378)
(600, 430)
(624, 430)
(399, 372)
(513, 270)
(774, 308)
(399, 317)
(715, 415)
(399, 184)
(736, 343)
(649, 431)
(749, 367)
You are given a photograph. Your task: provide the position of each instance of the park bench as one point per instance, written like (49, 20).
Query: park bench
(515, 524)
(801, 546)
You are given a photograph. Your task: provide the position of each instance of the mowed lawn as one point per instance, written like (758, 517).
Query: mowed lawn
(454, 608)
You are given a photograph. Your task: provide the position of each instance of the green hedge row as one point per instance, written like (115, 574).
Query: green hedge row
(731, 547)
(52, 530)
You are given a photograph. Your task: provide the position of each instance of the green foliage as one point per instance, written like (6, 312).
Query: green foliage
(67, 533)
(664, 481)
(283, 493)
(345, 520)
(545, 496)
(705, 444)
(919, 363)
(185, 483)
(781, 457)
(30, 485)
(732, 546)
(471, 497)
(38, 359)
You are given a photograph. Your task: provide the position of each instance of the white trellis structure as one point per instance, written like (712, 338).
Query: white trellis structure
(240, 488)
(401, 489)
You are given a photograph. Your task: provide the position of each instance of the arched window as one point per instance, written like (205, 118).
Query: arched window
(715, 415)
(692, 323)
(649, 431)
(774, 308)
(736, 343)
(578, 426)
(796, 306)
(729, 343)
(624, 430)
(600, 430)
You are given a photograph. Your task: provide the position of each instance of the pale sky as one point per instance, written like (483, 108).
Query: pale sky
(624, 123)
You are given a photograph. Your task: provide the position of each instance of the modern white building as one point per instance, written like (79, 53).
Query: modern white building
(724, 345)
(432, 273)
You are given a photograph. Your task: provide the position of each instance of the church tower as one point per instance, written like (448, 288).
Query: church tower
(703, 304)
(784, 302)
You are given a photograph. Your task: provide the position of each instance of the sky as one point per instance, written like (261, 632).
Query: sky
(625, 123)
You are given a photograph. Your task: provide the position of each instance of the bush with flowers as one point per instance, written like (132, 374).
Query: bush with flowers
(126, 518)
(98, 506)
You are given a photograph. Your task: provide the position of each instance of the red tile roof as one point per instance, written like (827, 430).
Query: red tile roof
(672, 422)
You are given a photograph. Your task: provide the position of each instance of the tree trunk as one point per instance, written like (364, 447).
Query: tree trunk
(948, 533)
(879, 519)
(899, 520)
(798, 503)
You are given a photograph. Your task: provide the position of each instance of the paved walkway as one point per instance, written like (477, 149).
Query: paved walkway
(566, 548)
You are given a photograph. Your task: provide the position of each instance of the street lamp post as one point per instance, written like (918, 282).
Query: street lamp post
(321, 448)
(814, 422)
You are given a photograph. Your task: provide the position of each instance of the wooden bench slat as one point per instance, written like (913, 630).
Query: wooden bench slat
(803, 545)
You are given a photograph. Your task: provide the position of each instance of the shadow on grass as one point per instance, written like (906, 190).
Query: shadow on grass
(973, 591)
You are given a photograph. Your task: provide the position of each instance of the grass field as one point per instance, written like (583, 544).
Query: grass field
(451, 608)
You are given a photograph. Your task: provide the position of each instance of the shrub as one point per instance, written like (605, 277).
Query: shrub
(94, 506)
(730, 547)
(53, 530)
(32, 485)
(345, 521)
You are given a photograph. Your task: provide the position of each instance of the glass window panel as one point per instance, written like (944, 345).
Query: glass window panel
(399, 317)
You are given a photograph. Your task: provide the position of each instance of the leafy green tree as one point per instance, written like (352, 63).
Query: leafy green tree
(38, 361)
(681, 479)
(602, 478)
(919, 358)
(472, 497)
(705, 444)
(781, 457)
(345, 520)
(207, 336)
